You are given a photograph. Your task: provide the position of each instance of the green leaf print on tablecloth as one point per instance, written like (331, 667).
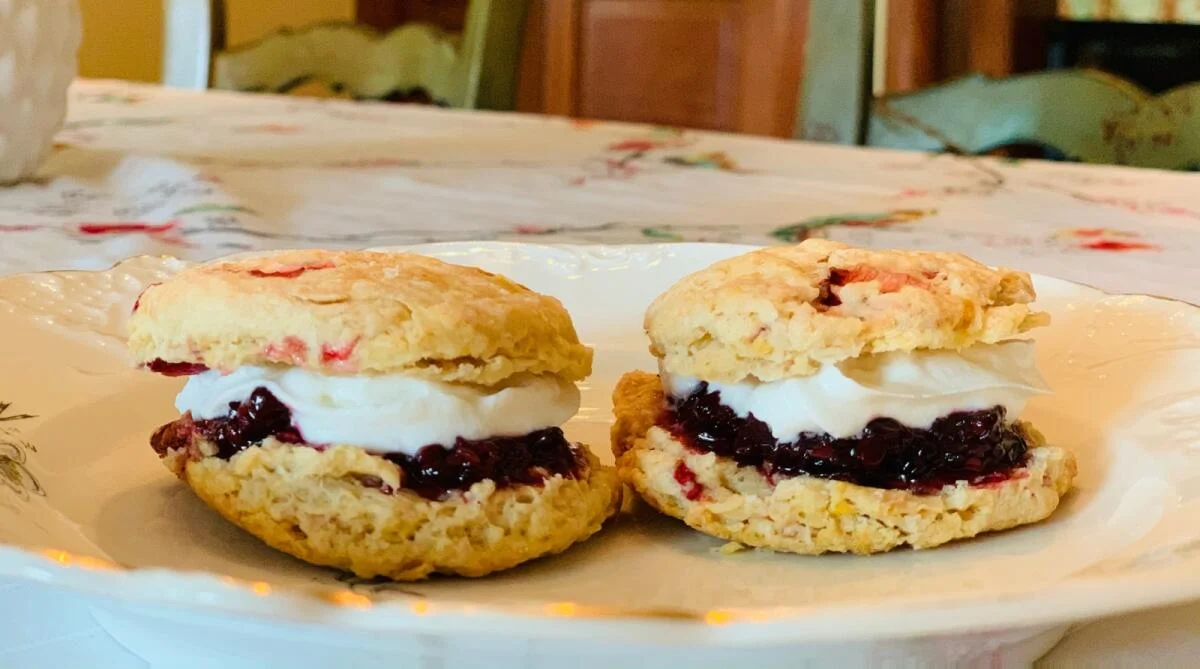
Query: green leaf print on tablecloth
(13, 454)
(661, 235)
(797, 232)
(198, 208)
(713, 160)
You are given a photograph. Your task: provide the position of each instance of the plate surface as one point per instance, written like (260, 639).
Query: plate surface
(85, 505)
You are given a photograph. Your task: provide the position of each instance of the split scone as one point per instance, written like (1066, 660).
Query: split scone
(386, 414)
(819, 397)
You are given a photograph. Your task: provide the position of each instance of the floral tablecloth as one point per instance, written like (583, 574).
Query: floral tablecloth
(141, 169)
(147, 170)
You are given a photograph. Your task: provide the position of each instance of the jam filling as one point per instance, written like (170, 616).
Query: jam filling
(432, 473)
(160, 366)
(525, 460)
(980, 447)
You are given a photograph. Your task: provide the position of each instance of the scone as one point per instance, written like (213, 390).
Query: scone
(386, 414)
(819, 397)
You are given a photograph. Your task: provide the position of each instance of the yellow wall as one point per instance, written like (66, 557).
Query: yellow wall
(122, 39)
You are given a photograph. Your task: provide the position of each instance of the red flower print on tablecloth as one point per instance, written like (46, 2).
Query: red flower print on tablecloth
(637, 145)
(1103, 239)
(583, 123)
(1117, 245)
(631, 150)
(167, 232)
(528, 229)
(118, 228)
(1138, 206)
(619, 168)
(659, 138)
(607, 167)
(808, 228)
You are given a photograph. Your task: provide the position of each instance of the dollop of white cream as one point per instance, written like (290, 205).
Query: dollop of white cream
(915, 388)
(391, 413)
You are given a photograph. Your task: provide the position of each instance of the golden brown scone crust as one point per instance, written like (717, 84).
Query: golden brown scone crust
(357, 312)
(767, 314)
(311, 504)
(810, 515)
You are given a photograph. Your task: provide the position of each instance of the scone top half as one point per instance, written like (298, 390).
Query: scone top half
(387, 352)
(892, 369)
(356, 312)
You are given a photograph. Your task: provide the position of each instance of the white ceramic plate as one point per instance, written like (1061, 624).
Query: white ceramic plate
(85, 505)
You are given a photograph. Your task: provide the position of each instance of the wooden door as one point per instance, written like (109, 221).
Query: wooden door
(931, 41)
(719, 64)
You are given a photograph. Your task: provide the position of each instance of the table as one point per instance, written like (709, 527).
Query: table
(140, 169)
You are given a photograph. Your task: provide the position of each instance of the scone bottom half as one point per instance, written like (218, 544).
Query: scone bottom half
(379, 467)
(911, 444)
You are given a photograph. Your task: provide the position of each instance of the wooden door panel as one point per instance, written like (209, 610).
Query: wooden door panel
(772, 59)
(666, 61)
(387, 14)
(560, 28)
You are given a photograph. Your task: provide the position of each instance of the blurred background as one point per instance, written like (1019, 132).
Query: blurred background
(732, 65)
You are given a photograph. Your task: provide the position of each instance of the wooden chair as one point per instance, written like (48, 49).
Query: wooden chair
(474, 70)
(1084, 115)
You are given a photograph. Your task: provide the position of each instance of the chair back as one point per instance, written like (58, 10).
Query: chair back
(476, 69)
(1082, 115)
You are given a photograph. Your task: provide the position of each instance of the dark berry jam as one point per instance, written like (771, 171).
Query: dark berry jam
(974, 446)
(247, 423)
(524, 460)
(160, 366)
(432, 473)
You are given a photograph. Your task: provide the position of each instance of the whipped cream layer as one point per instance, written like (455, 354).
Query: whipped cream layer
(914, 388)
(391, 413)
